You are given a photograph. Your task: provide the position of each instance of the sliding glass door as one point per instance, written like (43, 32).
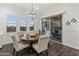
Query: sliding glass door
(54, 25)
(56, 28)
(45, 25)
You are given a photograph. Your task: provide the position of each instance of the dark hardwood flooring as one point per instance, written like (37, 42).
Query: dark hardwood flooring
(55, 49)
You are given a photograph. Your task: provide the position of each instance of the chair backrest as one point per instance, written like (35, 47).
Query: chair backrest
(6, 38)
(16, 40)
(20, 34)
(17, 37)
(49, 34)
(43, 42)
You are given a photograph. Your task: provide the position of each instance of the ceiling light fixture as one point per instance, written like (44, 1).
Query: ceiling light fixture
(33, 13)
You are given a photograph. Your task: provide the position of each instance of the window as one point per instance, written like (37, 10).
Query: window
(31, 28)
(10, 23)
(23, 28)
(22, 22)
(11, 28)
(45, 25)
(31, 23)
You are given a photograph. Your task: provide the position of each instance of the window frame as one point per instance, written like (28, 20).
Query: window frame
(20, 24)
(10, 24)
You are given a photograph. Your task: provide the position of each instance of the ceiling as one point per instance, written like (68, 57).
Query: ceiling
(41, 6)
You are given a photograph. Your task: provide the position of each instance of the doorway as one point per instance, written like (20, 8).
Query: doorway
(54, 25)
(56, 28)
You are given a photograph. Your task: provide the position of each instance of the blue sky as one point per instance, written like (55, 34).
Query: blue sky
(10, 19)
(29, 21)
(22, 19)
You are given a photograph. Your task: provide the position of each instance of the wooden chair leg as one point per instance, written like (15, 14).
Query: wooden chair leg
(48, 45)
(13, 51)
(47, 52)
(17, 53)
(37, 54)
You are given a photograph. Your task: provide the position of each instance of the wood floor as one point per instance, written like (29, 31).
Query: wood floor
(55, 49)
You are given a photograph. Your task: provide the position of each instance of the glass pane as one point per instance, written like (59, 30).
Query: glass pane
(11, 23)
(31, 28)
(45, 25)
(30, 21)
(22, 28)
(11, 28)
(22, 20)
(10, 19)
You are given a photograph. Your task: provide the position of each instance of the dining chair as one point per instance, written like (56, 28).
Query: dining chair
(42, 44)
(18, 46)
(49, 34)
(6, 39)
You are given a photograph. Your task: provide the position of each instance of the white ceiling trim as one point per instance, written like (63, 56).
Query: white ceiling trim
(53, 14)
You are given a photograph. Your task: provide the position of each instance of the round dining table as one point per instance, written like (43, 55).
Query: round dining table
(30, 39)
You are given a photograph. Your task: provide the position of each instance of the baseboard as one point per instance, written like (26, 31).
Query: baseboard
(70, 46)
(66, 45)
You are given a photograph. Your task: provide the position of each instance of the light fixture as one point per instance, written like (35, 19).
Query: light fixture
(33, 13)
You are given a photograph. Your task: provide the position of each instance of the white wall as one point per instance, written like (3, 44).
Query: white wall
(11, 10)
(70, 34)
